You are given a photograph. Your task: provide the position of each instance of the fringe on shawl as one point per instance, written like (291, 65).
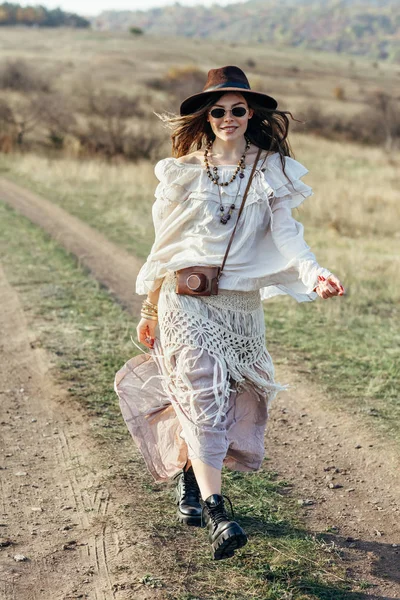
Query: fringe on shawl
(230, 327)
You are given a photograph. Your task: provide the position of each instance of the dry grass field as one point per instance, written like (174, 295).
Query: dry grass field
(121, 62)
(82, 70)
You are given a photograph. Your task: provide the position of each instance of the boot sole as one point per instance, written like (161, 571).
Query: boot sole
(226, 544)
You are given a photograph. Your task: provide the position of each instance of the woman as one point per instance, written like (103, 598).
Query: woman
(199, 399)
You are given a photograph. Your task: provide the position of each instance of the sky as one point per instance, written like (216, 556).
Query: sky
(94, 7)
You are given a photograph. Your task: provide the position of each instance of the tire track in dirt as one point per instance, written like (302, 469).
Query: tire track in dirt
(345, 473)
(55, 506)
(83, 503)
(73, 497)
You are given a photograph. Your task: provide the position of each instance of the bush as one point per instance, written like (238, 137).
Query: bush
(102, 139)
(313, 120)
(145, 144)
(54, 113)
(8, 130)
(99, 138)
(378, 124)
(97, 102)
(181, 82)
(16, 122)
(17, 75)
(251, 63)
(136, 31)
(107, 130)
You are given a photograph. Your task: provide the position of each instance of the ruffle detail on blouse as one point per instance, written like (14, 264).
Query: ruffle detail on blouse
(179, 181)
(175, 182)
(290, 185)
(171, 172)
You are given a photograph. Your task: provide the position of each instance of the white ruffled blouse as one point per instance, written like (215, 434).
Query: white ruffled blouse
(268, 251)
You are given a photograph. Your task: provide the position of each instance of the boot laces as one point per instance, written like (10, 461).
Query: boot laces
(218, 513)
(190, 486)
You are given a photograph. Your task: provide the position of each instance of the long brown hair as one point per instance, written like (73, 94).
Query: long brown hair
(267, 129)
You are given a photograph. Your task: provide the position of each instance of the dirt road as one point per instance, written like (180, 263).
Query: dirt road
(57, 507)
(110, 264)
(346, 476)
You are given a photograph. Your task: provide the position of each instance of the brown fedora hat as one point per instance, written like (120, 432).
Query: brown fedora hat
(225, 79)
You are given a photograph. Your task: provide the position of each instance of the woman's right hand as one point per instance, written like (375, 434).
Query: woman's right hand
(146, 329)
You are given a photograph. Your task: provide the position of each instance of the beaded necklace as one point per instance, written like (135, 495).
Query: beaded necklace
(225, 216)
(241, 165)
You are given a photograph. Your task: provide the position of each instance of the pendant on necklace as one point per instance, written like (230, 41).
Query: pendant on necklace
(225, 216)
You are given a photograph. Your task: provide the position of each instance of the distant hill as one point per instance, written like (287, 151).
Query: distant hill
(39, 16)
(359, 27)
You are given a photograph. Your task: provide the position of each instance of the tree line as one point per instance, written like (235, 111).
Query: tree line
(39, 16)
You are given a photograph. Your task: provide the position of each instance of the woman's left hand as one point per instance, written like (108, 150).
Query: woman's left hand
(327, 288)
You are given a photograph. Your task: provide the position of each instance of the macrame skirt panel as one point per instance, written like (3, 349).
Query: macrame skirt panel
(205, 388)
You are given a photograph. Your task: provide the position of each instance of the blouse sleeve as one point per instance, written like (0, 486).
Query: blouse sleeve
(287, 233)
(170, 193)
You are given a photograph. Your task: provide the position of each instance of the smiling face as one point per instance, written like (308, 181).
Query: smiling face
(230, 127)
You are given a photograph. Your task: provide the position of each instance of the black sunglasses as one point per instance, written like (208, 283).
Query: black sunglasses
(237, 111)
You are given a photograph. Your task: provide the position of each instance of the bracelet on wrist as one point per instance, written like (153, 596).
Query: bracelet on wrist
(148, 309)
(146, 303)
(148, 316)
(149, 312)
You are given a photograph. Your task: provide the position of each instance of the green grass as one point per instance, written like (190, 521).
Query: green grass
(350, 345)
(88, 337)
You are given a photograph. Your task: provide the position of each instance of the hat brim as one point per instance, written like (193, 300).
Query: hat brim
(193, 103)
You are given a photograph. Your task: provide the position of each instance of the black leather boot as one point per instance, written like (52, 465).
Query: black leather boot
(225, 535)
(187, 495)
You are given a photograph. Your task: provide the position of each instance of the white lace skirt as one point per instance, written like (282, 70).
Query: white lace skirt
(205, 389)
